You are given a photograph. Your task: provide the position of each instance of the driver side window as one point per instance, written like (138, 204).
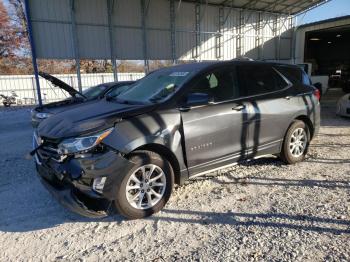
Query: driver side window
(219, 85)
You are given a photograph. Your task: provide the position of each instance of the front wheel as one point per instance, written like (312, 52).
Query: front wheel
(295, 143)
(146, 188)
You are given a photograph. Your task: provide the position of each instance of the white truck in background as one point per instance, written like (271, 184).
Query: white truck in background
(319, 81)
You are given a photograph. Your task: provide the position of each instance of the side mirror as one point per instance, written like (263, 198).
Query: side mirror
(195, 99)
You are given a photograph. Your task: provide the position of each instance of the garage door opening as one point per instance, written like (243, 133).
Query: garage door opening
(328, 52)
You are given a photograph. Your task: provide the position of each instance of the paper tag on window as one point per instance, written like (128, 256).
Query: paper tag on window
(179, 74)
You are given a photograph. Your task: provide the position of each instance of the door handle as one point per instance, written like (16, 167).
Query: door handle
(288, 97)
(238, 107)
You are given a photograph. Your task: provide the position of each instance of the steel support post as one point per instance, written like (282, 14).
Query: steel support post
(260, 37)
(257, 36)
(75, 44)
(219, 35)
(198, 30)
(277, 38)
(240, 35)
(110, 8)
(173, 31)
(292, 41)
(144, 35)
(32, 47)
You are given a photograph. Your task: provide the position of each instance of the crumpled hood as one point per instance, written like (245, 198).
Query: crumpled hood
(88, 118)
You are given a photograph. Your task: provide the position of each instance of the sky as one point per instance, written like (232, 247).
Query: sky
(334, 8)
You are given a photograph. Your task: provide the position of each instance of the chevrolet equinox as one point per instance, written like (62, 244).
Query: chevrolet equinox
(124, 153)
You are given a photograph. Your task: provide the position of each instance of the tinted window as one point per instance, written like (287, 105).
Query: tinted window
(258, 79)
(293, 74)
(219, 85)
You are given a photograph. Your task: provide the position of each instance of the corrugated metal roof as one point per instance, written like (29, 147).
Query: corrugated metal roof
(289, 7)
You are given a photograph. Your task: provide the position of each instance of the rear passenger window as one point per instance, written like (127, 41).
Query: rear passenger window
(258, 79)
(294, 75)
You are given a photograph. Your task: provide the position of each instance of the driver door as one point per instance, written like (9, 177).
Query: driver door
(215, 130)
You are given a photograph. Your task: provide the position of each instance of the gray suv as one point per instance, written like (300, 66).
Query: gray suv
(126, 152)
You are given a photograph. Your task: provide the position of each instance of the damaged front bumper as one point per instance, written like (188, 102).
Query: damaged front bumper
(71, 181)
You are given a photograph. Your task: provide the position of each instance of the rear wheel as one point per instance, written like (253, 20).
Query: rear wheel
(147, 187)
(296, 143)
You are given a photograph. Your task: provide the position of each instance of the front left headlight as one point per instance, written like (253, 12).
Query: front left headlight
(79, 144)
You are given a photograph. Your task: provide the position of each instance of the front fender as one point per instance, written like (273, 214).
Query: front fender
(162, 128)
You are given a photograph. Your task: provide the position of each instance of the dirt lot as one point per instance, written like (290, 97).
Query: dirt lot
(261, 210)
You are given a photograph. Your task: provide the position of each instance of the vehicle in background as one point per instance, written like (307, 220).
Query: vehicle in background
(12, 99)
(318, 81)
(340, 79)
(126, 152)
(40, 113)
(343, 106)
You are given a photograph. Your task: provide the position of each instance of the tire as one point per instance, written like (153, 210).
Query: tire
(147, 160)
(287, 148)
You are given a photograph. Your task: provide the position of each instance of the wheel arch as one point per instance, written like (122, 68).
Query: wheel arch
(167, 153)
(309, 124)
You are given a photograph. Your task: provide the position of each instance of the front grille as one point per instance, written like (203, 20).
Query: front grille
(48, 150)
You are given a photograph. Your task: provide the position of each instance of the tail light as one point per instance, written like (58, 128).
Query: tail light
(317, 94)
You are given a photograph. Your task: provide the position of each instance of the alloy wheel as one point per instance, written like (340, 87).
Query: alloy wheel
(146, 186)
(298, 142)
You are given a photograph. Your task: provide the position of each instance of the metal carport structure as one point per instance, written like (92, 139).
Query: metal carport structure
(162, 30)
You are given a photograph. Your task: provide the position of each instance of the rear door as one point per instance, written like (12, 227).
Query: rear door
(273, 106)
(216, 132)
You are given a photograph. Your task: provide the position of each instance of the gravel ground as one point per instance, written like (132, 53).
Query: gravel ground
(261, 210)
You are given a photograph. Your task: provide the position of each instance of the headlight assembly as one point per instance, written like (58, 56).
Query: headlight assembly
(42, 115)
(79, 144)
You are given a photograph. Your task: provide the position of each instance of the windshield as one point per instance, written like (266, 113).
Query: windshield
(95, 91)
(155, 87)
